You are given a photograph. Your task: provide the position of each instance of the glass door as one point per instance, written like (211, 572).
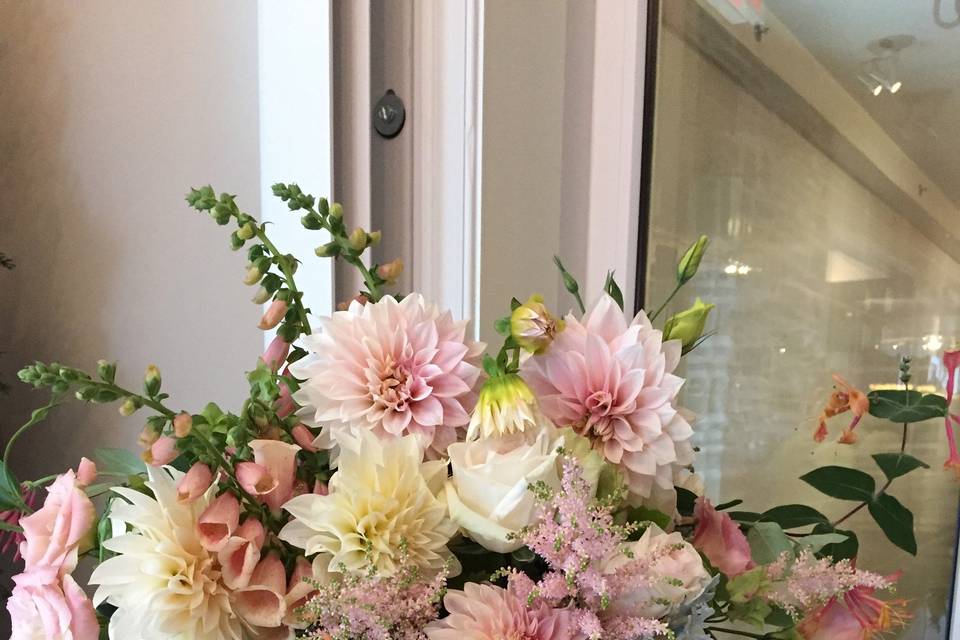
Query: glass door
(817, 143)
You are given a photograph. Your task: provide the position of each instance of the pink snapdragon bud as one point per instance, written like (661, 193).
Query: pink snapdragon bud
(163, 451)
(182, 425)
(284, 405)
(239, 557)
(280, 460)
(147, 437)
(86, 472)
(218, 522)
(261, 603)
(304, 437)
(194, 483)
(273, 315)
(276, 353)
(391, 270)
(255, 479)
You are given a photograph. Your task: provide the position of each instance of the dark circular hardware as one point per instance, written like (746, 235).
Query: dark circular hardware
(389, 115)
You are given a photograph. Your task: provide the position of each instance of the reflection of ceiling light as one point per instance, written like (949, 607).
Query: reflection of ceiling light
(874, 87)
(881, 73)
(783, 349)
(932, 342)
(737, 268)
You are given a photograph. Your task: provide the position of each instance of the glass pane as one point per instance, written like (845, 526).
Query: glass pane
(821, 153)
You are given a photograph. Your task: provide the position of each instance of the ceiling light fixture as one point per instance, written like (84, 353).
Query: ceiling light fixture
(872, 85)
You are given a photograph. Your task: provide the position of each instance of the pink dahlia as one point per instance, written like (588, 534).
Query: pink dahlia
(488, 612)
(613, 383)
(395, 368)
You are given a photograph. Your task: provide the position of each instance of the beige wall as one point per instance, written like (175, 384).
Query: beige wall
(109, 111)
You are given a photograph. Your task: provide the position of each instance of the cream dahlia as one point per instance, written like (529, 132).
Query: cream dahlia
(382, 508)
(613, 383)
(163, 582)
(394, 368)
(488, 612)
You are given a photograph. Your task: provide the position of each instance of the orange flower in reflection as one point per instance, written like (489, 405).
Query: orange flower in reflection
(845, 397)
(858, 615)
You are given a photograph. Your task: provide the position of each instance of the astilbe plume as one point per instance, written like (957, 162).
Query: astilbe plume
(351, 605)
(577, 537)
(802, 584)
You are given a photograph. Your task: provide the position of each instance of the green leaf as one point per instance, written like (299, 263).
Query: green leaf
(895, 520)
(895, 465)
(502, 325)
(613, 290)
(95, 490)
(767, 542)
(6, 526)
(119, 461)
(753, 612)
(817, 541)
(793, 516)
(901, 406)
(490, 366)
(212, 412)
(745, 516)
(842, 483)
(729, 505)
(514, 303)
(10, 498)
(845, 550)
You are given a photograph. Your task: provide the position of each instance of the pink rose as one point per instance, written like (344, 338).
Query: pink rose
(720, 539)
(42, 608)
(54, 533)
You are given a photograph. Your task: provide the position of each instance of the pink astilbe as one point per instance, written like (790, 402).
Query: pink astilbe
(806, 583)
(366, 606)
(394, 368)
(578, 538)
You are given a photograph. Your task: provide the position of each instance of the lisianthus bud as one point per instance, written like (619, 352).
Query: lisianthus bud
(261, 296)
(129, 407)
(506, 405)
(182, 425)
(533, 326)
(390, 271)
(687, 326)
(252, 276)
(151, 380)
(358, 239)
(273, 315)
(690, 262)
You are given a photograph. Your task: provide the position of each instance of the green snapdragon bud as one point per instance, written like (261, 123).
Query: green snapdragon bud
(247, 231)
(261, 296)
(311, 221)
(129, 407)
(336, 211)
(687, 326)
(690, 262)
(221, 213)
(151, 380)
(252, 276)
(106, 370)
(329, 250)
(358, 240)
(236, 242)
(374, 238)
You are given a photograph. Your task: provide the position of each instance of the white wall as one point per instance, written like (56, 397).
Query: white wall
(109, 111)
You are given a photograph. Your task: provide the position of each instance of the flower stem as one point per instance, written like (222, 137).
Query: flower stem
(287, 271)
(883, 489)
(36, 417)
(666, 302)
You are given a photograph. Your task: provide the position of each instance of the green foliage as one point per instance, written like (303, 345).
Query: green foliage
(690, 262)
(118, 461)
(793, 516)
(897, 464)
(842, 483)
(895, 520)
(685, 501)
(10, 498)
(767, 542)
(818, 541)
(613, 290)
(847, 549)
(905, 407)
(570, 283)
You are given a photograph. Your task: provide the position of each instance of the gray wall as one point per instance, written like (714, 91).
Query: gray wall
(109, 111)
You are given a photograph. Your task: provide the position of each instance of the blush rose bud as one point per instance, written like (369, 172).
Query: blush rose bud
(182, 425)
(273, 315)
(687, 326)
(690, 262)
(533, 326)
(151, 380)
(391, 271)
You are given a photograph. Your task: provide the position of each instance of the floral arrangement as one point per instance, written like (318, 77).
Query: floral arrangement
(387, 479)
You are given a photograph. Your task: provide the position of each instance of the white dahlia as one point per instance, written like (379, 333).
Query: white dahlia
(613, 383)
(393, 368)
(165, 585)
(383, 505)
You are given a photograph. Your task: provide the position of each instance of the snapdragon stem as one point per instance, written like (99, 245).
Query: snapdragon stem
(287, 276)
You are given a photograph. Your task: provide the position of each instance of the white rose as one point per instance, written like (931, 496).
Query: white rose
(677, 576)
(488, 494)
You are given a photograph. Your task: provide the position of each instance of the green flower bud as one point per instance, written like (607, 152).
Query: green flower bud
(151, 380)
(690, 262)
(247, 231)
(374, 238)
(336, 211)
(261, 296)
(687, 326)
(533, 326)
(129, 407)
(506, 405)
(323, 207)
(236, 242)
(329, 250)
(221, 213)
(358, 240)
(311, 221)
